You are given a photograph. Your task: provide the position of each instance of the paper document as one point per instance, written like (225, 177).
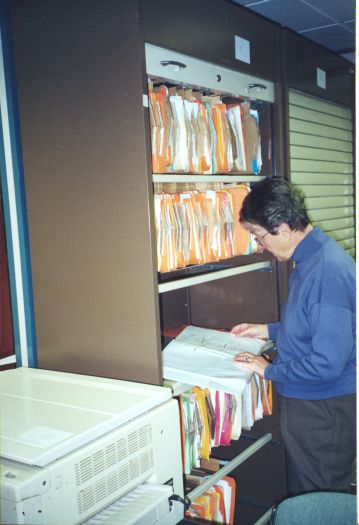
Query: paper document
(204, 357)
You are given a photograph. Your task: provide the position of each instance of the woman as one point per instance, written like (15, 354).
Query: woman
(314, 368)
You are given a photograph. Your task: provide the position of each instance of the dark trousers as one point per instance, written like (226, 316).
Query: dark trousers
(320, 442)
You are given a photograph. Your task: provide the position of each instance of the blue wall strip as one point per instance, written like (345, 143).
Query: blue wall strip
(21, 212)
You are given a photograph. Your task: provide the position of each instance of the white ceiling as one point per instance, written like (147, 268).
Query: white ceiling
(330, 23)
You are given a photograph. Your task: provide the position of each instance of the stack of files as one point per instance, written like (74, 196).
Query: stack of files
(199, 227)
(216, 505)
(257, 401)
(196, 133)
(211, 418)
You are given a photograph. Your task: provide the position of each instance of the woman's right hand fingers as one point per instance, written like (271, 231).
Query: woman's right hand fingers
(239, 328)
(259, 331)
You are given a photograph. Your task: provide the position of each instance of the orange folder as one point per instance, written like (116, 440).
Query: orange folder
(205, 435)
(222, 130)
(240, 235)
(230, 511)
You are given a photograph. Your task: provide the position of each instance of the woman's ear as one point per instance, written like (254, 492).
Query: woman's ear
(285, 230)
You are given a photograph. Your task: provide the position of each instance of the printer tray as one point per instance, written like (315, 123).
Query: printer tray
(145, 505)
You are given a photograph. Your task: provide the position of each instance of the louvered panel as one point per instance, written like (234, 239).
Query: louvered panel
(319, 178)
(312, 141)
(351, 252)
(330, 213)
(301, 152)
(336, 224)
(308, 115)
(327, 190)
(316, 104)
(311, 166)
(313, 203)
(347, 244)
(340, 235)
(321, 163)
(309, 128)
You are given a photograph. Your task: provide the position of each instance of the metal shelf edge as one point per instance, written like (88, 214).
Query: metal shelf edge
(207, 277)
(206, 178)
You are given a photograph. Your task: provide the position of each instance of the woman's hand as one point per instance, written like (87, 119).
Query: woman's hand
(259, 331)
(254, 363)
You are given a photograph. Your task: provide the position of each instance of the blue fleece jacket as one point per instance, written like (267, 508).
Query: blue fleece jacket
(315, 338)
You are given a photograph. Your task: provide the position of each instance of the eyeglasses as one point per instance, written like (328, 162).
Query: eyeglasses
(259, 240)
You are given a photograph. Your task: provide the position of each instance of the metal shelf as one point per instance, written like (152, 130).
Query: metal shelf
(231, 465)
(207, 277)
(179, 177)
(265, 518)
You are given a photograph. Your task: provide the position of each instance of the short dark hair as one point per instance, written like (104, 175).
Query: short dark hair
(272, 202)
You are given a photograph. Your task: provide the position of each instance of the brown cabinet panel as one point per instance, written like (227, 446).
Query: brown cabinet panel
(80, 85)
(264, 38)
(303, 57)
(206, 29)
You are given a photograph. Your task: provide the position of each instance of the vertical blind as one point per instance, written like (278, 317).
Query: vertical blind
(321, 164)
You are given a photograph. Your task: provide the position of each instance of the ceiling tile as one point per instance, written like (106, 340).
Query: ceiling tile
(334, 37)
(295, 15)
(307, 16)
(339, 10)
(249, 2)
(350, 26)
(349, 56)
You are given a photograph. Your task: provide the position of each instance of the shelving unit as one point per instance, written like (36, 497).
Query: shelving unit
(190, 283)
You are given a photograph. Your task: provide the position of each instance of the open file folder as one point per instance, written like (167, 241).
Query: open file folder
(204, 357)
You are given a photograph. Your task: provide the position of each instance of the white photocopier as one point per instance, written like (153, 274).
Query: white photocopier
(82, 449)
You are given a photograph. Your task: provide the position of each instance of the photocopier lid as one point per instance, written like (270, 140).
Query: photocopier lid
(47, 414)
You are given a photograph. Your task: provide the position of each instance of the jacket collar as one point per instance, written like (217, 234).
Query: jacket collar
(309, 245)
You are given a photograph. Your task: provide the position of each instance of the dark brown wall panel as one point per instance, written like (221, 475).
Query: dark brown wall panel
(303, 57)
(205, 29)
(249, 297)
(79, 77)
(174, 308)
